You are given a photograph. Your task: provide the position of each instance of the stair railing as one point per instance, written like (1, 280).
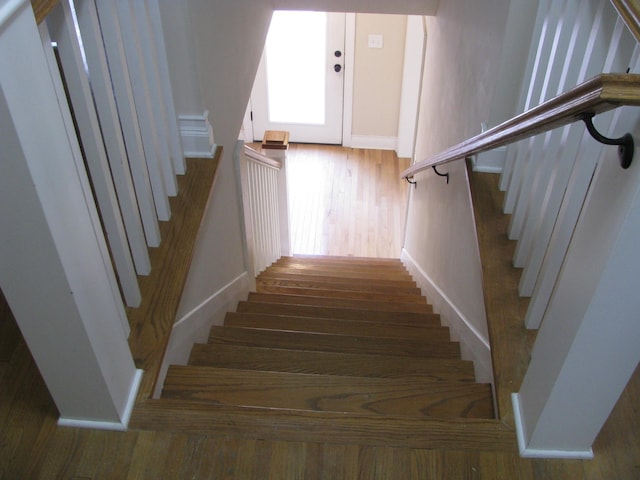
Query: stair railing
(265, 204)
(600, 94)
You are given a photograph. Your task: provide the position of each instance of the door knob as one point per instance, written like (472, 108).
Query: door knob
(337, 67)
(337, 53)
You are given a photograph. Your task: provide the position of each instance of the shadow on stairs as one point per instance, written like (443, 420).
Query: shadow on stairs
(331, 349)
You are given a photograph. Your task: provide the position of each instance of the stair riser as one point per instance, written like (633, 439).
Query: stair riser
(343, 285)
(268, 275)
(351, 273)
(390, 318)
(338, 327)
(328, 259)
(328, 393)
(340, 303)
(469, 434)
(342, 294)
(334, 343)
(331, 363)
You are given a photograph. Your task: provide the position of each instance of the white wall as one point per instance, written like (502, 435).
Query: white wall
(462, 65)
(219, 55)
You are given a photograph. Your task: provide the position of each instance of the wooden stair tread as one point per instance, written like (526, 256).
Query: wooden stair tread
(331, 348)
(340, 302)
(331, 363)
(400, 318)
(337, 259)
(341, 327)
(343, 294)
(333, 393)
(334, 343)
(365, 268)
(331, 427)
(281, 274)
(338, 285)
(346, 273)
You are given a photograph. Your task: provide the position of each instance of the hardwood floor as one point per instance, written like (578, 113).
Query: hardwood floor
(33, 447)
(345, 201)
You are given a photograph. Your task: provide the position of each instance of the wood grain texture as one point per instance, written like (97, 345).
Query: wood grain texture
(340, 303)
(331, 363)
(341, 327)
(505, 308)
(597, 95)
(32, 446)
(337, 283)
(334, 343)
(236, 442)
(331, 427)
(161, 290)
(400, 318)
(328, 393)
(629, 10)
(347, 202)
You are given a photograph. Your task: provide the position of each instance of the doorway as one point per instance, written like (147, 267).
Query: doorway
(299, 86)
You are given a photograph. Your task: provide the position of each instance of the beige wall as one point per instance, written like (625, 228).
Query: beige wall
(462, 64)
(377, 80)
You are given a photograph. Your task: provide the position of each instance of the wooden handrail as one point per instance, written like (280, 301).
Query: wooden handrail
(629, 11)
(600, 94)
(261, 158)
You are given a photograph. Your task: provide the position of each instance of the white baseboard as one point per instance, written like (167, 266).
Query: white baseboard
(473, 344)
(527, 452)
(194, 326)
(196, 135)
(374, 142)
(117, 426)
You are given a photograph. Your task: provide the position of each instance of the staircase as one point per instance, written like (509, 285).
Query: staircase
(330, 349)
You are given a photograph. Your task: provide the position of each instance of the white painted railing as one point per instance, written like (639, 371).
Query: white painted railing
(575, 217)
(547, 177)
(263, 182)
(112, 59)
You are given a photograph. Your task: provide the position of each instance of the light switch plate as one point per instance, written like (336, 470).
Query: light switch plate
(375, 41)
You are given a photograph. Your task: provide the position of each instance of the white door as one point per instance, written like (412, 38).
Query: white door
(300, 81)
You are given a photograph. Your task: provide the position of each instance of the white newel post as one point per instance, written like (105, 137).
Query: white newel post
(54, 265)
(283, 209)
(588, 345)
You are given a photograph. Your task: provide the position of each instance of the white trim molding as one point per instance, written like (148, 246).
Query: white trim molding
(116, 426)
(194, 326)
(197, 135)
(349, 66)
(491, 161)
(526, 452)
(473, 344)
(374, 142)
